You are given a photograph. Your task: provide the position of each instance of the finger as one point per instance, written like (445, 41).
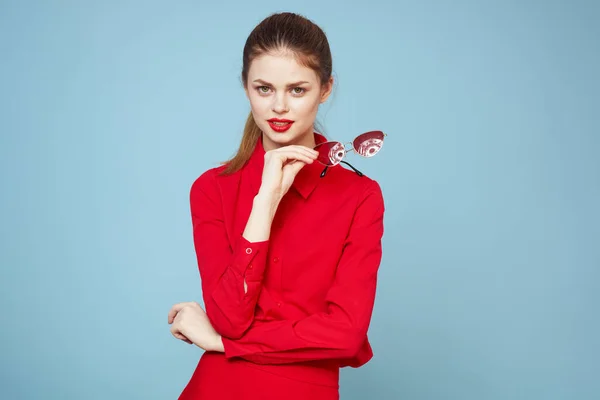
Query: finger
(297, 150)
(176, 308)
(181, 336)
(298, 146)
(172, 314)
(303, 150)
(302, 161)
(295, 167)
(296, 155)
(177, 333)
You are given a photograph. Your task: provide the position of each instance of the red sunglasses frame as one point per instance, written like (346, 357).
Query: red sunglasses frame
(337, 150)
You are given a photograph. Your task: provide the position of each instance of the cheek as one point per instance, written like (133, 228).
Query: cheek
(258, 103)
(305, 106)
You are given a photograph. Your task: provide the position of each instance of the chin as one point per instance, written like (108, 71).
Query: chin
(281, 138)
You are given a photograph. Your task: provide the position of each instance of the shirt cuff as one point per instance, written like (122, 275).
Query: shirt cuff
(250, 258)
(231, 349)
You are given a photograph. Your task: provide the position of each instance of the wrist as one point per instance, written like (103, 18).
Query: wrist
(266, 197)
(218, 346)
(267, 201)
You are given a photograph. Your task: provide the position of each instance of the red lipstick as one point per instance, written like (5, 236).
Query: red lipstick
(280, 125)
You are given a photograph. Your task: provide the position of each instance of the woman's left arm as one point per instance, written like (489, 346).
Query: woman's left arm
(341, 331)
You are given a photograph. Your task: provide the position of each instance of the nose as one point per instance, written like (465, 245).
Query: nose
(279, 104)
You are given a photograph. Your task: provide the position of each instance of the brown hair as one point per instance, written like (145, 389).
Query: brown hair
(287, 32)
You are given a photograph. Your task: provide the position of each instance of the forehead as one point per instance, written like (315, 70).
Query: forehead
(280, 70)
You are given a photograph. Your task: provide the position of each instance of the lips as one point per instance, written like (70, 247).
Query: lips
(280, 125)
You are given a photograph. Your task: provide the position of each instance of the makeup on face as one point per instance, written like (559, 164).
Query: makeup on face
(284, 96)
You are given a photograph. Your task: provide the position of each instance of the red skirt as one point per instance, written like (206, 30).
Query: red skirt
(217, 378)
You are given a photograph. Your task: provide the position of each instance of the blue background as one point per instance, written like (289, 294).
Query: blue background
(489, 285)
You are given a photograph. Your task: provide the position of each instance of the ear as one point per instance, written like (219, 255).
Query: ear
(326, 90)
(246, 90)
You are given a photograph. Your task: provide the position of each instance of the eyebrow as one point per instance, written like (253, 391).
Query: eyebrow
(270, 84)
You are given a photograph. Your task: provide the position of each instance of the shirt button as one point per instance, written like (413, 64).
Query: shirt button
(250, 266)
(276, 259)
(278, 304)
(248, 250)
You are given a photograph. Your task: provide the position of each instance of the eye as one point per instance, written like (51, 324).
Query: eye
(263, 89)
(299, 90)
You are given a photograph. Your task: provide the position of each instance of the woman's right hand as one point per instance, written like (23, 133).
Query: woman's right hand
(281, 167)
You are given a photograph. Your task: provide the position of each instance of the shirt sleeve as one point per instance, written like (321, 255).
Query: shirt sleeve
(223, 266)
(341, 331)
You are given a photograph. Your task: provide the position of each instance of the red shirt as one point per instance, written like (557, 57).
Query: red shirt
(311, 286)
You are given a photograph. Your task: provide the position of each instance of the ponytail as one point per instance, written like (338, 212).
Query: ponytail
(251, 135)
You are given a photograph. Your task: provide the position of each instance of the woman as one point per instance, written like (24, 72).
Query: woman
(288, 256)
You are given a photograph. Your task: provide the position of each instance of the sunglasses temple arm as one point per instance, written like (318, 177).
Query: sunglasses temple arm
(355, 170)
(348, 164)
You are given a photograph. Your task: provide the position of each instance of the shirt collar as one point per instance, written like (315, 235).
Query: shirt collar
(304, 183)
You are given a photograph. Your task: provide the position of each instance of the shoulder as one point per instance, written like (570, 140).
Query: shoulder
(206, 184)
(363, 188)
(359, 202)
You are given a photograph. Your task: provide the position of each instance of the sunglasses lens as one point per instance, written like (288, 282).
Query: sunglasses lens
(330, 153)
(368, 144)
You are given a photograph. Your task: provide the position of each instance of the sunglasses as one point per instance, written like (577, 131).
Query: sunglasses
(332, 153)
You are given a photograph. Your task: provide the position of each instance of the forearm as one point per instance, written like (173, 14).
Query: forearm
(258, 227)
(318, 337)
(230, 295)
